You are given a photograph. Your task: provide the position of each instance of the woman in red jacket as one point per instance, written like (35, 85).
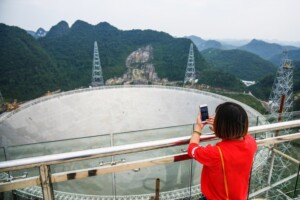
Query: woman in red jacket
(226, 165)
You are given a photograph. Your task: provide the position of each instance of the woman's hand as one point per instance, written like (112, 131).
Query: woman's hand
(199, 125)
(211, 120)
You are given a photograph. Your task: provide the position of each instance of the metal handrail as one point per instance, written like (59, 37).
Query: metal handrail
(45, 179)
(117, 150)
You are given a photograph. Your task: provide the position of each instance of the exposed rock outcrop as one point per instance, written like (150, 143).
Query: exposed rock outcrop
(140, 69)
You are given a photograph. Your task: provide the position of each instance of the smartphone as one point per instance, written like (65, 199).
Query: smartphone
(204, 112)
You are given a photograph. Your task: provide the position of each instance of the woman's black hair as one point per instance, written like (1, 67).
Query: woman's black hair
(231, 121)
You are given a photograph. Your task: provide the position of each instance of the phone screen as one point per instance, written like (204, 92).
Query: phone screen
(204, 112)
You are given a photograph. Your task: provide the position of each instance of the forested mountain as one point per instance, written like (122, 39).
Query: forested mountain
(220, 79)
(292, 54)
(263, 87)
(26, 68)
(264, 49)
(244, 65)
(205, 44)
(63, 58)
(73, 50)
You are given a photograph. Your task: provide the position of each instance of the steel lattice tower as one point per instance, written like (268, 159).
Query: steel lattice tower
(281, 107)
(283, 87)
(271, 168)
(97, 78)
(190, 74)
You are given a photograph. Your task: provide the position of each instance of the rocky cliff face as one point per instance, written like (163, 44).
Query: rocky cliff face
(140, 69)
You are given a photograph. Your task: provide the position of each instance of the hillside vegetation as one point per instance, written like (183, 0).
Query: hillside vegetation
(242, 64)
(26, 68)
(264, 49)
(63, 59)
(293, 54)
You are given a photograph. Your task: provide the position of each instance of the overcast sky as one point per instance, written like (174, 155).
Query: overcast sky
(209, 19)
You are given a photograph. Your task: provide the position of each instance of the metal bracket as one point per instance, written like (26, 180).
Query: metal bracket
(101, 163)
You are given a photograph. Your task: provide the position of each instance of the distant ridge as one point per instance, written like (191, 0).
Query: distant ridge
(62, 28)
(264, 49)
(244, 65)
(261, 48)
(292, 54)
(205, 44)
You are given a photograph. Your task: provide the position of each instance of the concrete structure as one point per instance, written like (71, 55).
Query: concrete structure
(104, 110)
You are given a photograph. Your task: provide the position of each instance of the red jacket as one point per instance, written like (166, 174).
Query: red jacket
(238, 158)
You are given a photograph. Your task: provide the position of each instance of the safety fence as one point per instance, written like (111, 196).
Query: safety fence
(126, 169)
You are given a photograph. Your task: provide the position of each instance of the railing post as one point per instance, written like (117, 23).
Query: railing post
(296, 184)
(257, 121)
(46, 184)
(157, 188)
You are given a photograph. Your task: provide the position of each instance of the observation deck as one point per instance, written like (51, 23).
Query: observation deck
(127, 165)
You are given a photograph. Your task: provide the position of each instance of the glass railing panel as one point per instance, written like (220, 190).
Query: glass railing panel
(297, 187)
(62, 146)
(260, 168)
(295, 153)
(6, 195)
(29, 192)
(152, 135)
(84, 144)
(254, 121)
(280, 192)
(96, 187)
(187, 173)
(2, 154)
(272, 168)
(100, 184)
(257, 121)
(175, 176)
(296, 115)
(275, 118)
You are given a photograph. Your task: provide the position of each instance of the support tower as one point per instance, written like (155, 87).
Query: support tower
(97, 78)
(283, 88)
(281, 107)
(190, 74)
